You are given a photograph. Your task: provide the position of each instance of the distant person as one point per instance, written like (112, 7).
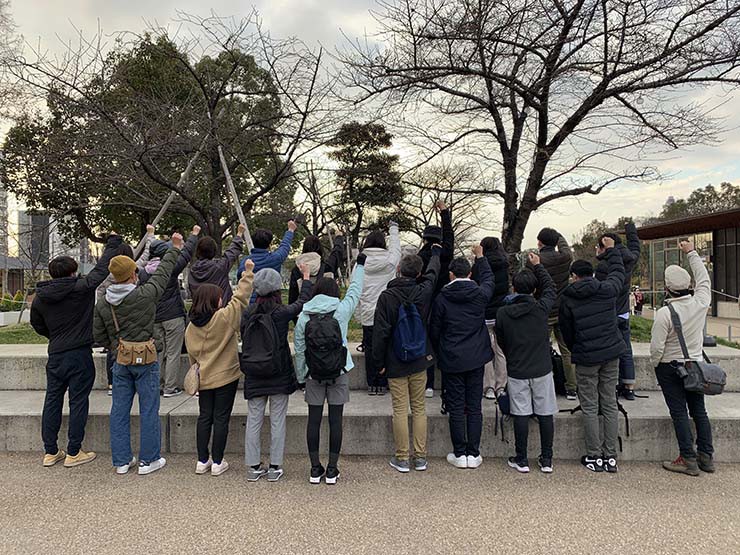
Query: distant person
(494, 375)
(169, 321)
(63, 312)
(212, 343)
(556, 257)
(380, 268)
(588, 321)
(630, 256)
(208, 267)
(666, 354)
(124, 321)
(323, 362)
(445, 236)
(267, 364)
(261, 254)
(639, 301)
(522, 332)
(407, 377)
(312, 255)
(460, 339)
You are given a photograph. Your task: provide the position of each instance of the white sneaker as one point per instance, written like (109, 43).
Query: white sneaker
(202, 468)
(126, 467)
(474, 462)
(457, 462)
(218, 469)
(152, 466)
(429, 393)
(490, 393)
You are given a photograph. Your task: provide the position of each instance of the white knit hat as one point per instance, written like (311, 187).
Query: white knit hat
(677, 279)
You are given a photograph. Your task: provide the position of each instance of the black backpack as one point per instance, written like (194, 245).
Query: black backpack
(558, 372)
(326, 354)
(260, 346)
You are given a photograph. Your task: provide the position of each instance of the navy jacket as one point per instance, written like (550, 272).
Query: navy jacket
(458, 324)
(500, 268)
(588, 316)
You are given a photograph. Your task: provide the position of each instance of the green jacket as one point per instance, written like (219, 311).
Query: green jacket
(135, 306)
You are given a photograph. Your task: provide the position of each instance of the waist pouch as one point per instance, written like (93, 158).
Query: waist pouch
(136, 353)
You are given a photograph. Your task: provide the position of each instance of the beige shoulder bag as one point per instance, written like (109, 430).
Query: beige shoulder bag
(133, 353)
(192, 378)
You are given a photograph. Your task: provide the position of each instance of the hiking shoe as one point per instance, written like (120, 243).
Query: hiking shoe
(274, 474)
(218, 469)
(420, 464)
(520, 465)
(489, 393)
(51, 460)
(372, 391)
(382, 390)
(148, 468)
(203, 467)
(123, 469)
(594, 464)
(429, 393)
(474, 462)
(79, 458)
(401, 466)
(457, 462)
(317, 472)
(172, 392)
(254, 474)
(683, 466)
(571, 395)
(705, 462)
(332, 473)
(545, 465)
(610, 465)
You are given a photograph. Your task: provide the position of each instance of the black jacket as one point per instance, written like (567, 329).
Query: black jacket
(330, 265)
(448, 252)
(171, 306)
(284, 381)
(63, 307)
(500, 269)
(386, 315)
(458, 324)
(630, 255)
(557, 263)
(522, 332)
(588, 316)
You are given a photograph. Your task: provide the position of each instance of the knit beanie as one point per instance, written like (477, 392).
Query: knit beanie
(158, 248)
(432, 233)
(548, 237)
(267, 281)
(122, 267)
(677, 279)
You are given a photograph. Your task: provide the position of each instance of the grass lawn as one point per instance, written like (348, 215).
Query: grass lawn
(20, 333)
(640, 329)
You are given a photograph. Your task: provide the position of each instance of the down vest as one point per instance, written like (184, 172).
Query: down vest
(630, 256)
(588, 316)
(557, 263)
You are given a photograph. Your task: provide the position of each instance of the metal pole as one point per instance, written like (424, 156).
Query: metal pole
(160, 214)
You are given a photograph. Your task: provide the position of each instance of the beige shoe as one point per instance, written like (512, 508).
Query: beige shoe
(80, 458)
(51, 460)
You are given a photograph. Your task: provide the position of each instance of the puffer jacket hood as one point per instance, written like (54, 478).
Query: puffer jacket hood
(380, 268)
(521, 305)
(56, 290)
(378, 262)
(310, 259)
(583, 288)
(321, 304)
(117, 292)
(459, 290)
(152, 266)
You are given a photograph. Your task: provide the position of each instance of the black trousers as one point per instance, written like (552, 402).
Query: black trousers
(373, 378)
(72, 371)
(463, 394)
(215, 412)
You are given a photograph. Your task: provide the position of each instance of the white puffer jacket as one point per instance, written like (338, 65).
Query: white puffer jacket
(380, 268)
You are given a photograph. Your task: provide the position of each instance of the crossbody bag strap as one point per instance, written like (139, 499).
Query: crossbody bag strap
(679, 331)
(115, 320)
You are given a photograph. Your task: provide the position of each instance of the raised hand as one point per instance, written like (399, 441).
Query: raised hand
(241, 229)
(196, 230)
(248, 265)
(608, 242)
(687, 246)
(534, 258)
(305, 271)
(440, 205)
(177, 241)
(292, 226)
(477, 251)
(149, 229)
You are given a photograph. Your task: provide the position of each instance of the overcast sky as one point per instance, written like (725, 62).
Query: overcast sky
(324, 21)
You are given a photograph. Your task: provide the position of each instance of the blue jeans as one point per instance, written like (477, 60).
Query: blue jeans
(626, 362)
(127, 381)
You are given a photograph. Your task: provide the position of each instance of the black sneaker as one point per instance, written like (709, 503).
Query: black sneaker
(332, 473)
(594, 464)
(610, 465)
(317, 472)
(382, 390)
(371, 390)
(628, 394)
(545, 465)
(571, 395)
(520, 465)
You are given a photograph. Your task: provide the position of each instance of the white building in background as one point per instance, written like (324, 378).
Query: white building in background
(3, 221)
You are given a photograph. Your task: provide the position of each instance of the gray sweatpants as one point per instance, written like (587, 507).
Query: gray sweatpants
(171, 333)
(252, 436)
(597, 386)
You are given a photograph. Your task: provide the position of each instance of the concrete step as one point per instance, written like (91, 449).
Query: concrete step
(22, 367)
(368, 427)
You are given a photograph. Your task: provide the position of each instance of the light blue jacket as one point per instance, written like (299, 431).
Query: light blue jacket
(321, 304)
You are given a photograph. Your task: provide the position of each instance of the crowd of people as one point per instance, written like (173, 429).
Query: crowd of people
(486, 326)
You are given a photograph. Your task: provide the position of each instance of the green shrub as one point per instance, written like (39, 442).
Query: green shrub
(18, 300)
(6, 305)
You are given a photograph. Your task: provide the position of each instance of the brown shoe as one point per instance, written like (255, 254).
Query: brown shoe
(80, 458)
(705, 462)
(683, 466)
(51, 460)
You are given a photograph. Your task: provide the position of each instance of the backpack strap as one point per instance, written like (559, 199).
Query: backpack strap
(676, 320)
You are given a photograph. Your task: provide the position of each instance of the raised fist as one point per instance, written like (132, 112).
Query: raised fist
(196, 230)
(177, 241)
(305, 271)
(534, 258)
(149, 229)
(440, 205)
(687, 246)
(292, 225)
(608, 242)
(478, 251)
(241, 229)
(248, 265)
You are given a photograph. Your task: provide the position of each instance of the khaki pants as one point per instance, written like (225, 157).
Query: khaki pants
(171, 333)
(405, 392)
(570, 372)
(494, 373)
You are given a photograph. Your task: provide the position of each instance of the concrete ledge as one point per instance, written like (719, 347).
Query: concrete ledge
(368, 427)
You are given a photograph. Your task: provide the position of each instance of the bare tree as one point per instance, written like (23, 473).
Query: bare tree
(558, 98)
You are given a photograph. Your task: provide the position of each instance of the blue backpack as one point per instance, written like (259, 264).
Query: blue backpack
(409, 335)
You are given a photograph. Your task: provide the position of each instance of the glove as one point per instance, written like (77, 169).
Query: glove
(436, 249)
(361, 258)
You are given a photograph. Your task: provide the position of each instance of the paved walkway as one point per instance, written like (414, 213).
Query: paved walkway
(373, 510)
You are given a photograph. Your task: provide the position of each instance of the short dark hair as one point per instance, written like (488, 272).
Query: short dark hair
(492, 246)
(617, 239)
(582, 268)
(524, 282)
(410, 265)
(205, 299)
(313, 244)
(262, 238)
(460, 267)
(62, 266)
(206, 249)
(326, 286)
(374, 240)
(548, 236)
(124, 249)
